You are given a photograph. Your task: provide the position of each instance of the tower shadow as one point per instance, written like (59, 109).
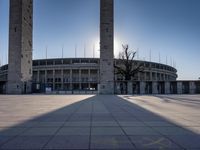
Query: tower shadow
(91, 122)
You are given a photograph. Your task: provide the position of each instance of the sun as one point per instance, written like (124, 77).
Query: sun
(117, 47)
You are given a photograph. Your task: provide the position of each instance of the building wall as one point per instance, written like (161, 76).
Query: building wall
(83, 73)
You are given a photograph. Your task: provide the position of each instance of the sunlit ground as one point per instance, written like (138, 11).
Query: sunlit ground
(99, 122)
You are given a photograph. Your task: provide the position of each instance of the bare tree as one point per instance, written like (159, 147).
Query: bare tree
(127, 67)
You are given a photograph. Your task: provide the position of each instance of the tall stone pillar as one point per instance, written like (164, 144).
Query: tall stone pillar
(20, 47)
(106, 47)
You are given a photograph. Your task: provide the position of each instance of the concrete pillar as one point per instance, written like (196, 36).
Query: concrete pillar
(106, 47)
(38, 76)
(71, 87)
(167, 87)
(53, 80)
(142, 87)
(80, 80)
(45, 78)
(130, 87)
(179, 87)
(20, 47)
(192, 87)
(154, 87)
(89, 76)
(145, 76)
(151, 78)
(62, 81)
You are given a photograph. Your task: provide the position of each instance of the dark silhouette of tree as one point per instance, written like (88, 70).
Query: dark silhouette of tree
(127, 67)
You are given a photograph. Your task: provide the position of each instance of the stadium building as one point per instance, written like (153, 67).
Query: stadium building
(81, 75)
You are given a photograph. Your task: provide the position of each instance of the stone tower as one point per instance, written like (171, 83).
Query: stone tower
(20, 47)
(106, 47)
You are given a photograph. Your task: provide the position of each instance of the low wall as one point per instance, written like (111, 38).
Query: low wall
(158, 87)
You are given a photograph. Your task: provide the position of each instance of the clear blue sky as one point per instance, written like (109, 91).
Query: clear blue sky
(168, 27)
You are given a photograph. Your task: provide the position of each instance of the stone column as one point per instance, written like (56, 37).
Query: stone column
(45, 78)
(106, 47)
(38, 76)
(167, 87)
(192, 87)
(20, 47)
(142, 87)
(53, 80)
(154, 87)
(80, 80)
(179, 87)
(89, 80)
(62, 81)
(71, 87)
(130, 87)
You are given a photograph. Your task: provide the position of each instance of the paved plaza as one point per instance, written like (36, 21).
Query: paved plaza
(100, 122)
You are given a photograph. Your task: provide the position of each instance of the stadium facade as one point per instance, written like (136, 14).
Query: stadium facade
(81, 75)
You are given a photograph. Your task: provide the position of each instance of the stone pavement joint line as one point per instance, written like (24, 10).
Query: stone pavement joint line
(100, 122)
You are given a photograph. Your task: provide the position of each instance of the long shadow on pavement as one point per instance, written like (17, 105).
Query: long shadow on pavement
(99, 122)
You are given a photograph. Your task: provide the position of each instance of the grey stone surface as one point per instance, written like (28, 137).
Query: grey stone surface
(26, 142)
(153, 142)
(74, 131)
(140, 131)
(111, 142)
(106, 47)
(107, 131)
(131, 122)
(20, 47)
(39, 131)
(69, 142)
(189, 141)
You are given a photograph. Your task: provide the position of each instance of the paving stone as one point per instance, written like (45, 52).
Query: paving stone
(26, 142)
(126, 119)
(104, 124)
(11, 131)
(111, 142)
(188, 142)
(159, 124)
(74, 131)
(153, 142)
(139, 116)
(77, 123)
(79, 119)
(173, 131)
(131, 123)
(4, 139)
(103, 119)
(68, 142)
(107, 131)
(40, 131)
(49, 124)
(139, 131)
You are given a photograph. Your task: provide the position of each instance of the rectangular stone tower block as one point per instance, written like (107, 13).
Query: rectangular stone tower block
(106, 47)
(20, 47)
